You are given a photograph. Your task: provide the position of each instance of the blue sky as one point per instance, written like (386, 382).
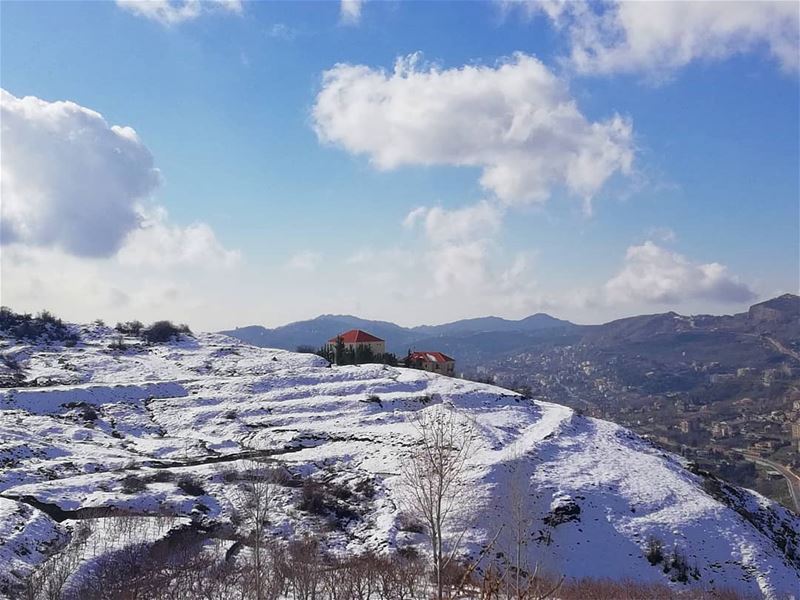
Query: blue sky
(277, 213)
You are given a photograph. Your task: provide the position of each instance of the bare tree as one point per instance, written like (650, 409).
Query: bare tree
(434, 483)
(520, 521)
(515, 578)
(259, 497)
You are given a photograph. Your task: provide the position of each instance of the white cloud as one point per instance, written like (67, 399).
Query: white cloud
(81, 290)
(481, 220)
(156, 243)
(306, 260)
(652, 274)
(73, 183)
(459, 256)
(174, 12)
(350, 11)
(68, 178)
(516, 121)
(658, 38)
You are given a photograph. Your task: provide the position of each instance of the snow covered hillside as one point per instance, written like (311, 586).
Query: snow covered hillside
(95, 433)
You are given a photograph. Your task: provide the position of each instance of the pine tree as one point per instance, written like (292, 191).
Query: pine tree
(339, 351)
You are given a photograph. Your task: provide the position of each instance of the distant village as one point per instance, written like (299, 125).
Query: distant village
(356, 347)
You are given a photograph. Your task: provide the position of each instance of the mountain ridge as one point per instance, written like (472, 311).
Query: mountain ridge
(315, 332)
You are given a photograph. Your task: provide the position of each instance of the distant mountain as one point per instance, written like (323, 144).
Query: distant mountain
(315, 332)
(729, 339)
(778, 318)
(535, 322)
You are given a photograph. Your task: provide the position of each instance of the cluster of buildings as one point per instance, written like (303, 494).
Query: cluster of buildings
(357, 340)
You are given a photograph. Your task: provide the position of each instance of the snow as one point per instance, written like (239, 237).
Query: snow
(25, 533)
(118, 432)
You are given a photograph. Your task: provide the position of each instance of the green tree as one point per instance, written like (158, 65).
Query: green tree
(364, 354)
(339, 350)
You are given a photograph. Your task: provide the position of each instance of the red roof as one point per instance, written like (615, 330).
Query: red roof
(355, 336)
(438, 357)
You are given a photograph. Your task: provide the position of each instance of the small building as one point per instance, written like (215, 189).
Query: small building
(722, 429)
(356, 339)
(435, 362)
(796, 434)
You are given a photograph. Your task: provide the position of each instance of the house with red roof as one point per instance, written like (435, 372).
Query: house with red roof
(435, 362)
(356, 339)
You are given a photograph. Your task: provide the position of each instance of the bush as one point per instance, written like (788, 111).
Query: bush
(678, 565)
(131, 484)
(318, 500)
(655, 550)
(118, 344)
(303, 349)
(43, 326)
(406, 523)
(164, 331)
(313, 499)
(191, 487)
(366, 488)
(130, 327)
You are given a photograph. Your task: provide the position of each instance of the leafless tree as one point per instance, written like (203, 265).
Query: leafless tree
(259, 498)
(434, 483)
(515, 577)
(519, 521)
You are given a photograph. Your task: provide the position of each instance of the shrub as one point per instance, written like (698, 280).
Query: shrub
(318, 500)
(118, 344)
(163, 331)
(678, 565)
(406, 523)
(366, 488)
(191, 487)
(43, 326)
(130, 327)
(304, 349)
(313, 498)
(342, 492)
(655, 550)
(131, 484)
(161, 476)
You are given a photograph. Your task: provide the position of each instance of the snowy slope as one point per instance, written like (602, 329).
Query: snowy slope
(121, 432)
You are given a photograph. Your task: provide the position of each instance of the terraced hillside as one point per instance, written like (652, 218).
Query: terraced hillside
(147, 440)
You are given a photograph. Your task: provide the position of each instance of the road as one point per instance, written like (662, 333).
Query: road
(792, 479)
(782, 349)
(778, 346)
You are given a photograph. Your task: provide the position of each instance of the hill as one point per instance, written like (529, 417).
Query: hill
(477, 342)
(315, 332)
(165, 436)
